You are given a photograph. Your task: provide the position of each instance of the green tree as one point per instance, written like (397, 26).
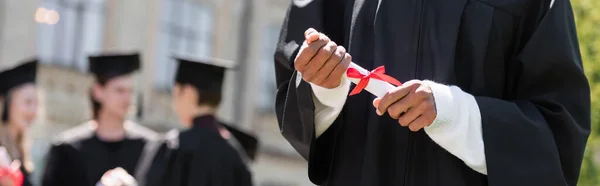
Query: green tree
(587, 18)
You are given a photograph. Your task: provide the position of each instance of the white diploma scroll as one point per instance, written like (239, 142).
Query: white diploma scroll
(375, 86)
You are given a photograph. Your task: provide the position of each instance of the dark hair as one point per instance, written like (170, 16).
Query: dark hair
(209, 98)
(95, 104)
(5, 110)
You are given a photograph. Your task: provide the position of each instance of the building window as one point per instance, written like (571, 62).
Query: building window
(185, 29)
(266, 101)
(69, 31)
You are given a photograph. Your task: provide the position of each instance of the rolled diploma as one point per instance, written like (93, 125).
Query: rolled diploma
(376, 87)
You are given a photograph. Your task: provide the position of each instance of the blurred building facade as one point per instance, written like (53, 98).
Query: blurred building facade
(63, 32)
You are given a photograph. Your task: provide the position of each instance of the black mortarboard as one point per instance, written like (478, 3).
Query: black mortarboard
(247, 141)
(108, 66)
(19, 75)
(205, 75)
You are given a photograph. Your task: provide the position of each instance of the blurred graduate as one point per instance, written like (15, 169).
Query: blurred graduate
(201, 155)
(246, 144)
(108, 150)
(18, 95)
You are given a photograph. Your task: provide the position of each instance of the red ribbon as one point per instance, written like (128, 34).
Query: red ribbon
(378, 73)
(15, 175)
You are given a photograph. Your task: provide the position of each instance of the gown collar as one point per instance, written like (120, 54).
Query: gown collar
(205, 121)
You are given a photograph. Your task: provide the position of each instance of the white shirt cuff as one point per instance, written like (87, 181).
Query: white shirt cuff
(328, 103)
(457, 126)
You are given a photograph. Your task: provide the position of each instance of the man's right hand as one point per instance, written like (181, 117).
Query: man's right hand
(321, 61)
(117, 177)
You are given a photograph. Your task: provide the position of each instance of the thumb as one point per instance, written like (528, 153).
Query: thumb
(15, 165)
(311, 35)
(376, 102)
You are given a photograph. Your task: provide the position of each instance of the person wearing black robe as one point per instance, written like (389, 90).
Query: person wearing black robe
(83, 154)
(13, 82)
(246, 144)
(200, 155)
(510, 71)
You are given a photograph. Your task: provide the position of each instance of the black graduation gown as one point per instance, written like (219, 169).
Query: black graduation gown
(79, 157)
(244, 143)
(200, 156)
(519, 58)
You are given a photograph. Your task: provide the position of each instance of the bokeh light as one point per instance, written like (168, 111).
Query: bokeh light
(46, 16)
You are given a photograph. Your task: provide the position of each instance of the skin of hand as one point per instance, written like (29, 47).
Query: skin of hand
(412, 104)
(117, 177)
(321, 61)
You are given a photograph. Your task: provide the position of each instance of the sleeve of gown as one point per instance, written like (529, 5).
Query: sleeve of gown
(457, 126)
(52, 175)
(328, 103)
(539, 137)
(295, 108)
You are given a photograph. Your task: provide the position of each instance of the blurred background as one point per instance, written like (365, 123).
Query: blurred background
(62, 33)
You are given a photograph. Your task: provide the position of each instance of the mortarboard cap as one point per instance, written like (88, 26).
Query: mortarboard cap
(247, 141)
(204, 74)
(24, 73)
(108, 66)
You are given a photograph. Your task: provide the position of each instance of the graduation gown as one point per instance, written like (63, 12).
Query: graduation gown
(518, 58)
(79, 157)
(201, 157)
(245, 144)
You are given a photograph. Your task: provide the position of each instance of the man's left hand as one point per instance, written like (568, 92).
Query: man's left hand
(412, 104)
(117, 177)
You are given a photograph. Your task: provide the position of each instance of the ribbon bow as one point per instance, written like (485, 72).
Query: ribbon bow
(378, 73)
(16, 176)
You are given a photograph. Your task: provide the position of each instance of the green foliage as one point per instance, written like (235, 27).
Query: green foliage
(587, 18)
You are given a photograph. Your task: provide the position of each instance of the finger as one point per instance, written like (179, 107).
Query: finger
(15, 165)
(412, 114)
(317, 62)
(340, 69)
(404, 104)
(318, 44)
(393, 96)
(107, 173)
(303, 57)
(376, 102)
(420, 122)
(311, 35)
(119, 169)
(308, 51)
(330, 64)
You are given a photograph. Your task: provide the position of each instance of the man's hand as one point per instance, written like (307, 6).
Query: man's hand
(321, 61)
(412, 104)
(117, 177)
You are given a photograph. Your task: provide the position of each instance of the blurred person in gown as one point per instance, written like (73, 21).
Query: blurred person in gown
(108, 150)
(18, 95)
(200, 155)
(246, 144)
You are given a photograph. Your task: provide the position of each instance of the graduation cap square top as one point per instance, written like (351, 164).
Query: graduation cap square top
(17, 76)
(112, 65)
(204, 74)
